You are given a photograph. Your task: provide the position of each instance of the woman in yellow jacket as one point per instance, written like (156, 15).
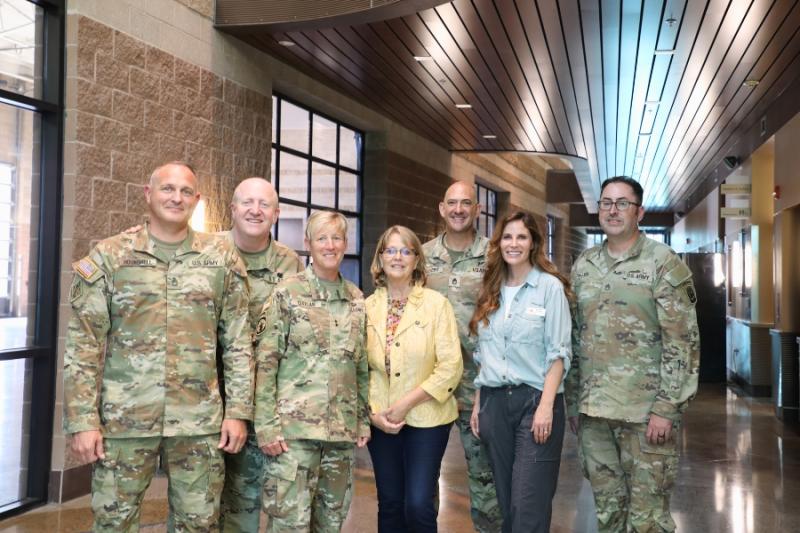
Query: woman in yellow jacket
(414, 366)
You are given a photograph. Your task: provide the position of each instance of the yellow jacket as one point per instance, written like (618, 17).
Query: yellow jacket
(426, 352)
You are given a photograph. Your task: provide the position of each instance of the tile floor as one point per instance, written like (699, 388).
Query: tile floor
(740, 473)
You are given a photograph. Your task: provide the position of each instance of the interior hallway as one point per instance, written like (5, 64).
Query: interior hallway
(740, 472)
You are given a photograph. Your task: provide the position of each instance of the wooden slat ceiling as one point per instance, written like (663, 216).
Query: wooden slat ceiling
(649, 88)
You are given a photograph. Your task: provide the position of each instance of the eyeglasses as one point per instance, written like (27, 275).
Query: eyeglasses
(405, 252)
(621, 205)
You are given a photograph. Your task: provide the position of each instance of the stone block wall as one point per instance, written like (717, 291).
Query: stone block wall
(133, 107)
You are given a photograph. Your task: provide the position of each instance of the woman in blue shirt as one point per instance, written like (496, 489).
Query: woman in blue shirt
(523, 324)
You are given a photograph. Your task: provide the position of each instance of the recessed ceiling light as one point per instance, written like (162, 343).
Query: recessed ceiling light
(464, 106)
(285, 42)
(670, 21)
(750, 83)
(423, 58)
(644, 134)
(489, 136)
(664, 52)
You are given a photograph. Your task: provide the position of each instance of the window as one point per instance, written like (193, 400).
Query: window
(317, 163)
(31, 107)
(487, 218)
(551, 233)
(594, 237)
(657, 234)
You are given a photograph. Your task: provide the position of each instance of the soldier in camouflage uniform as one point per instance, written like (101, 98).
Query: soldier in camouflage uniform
(312, 387)
(455, 264)
(254, 209)
(635, 364)
(140, 376)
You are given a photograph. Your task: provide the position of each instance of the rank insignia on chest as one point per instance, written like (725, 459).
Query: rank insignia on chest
(261, 326)
(691, 294)
(455, 282)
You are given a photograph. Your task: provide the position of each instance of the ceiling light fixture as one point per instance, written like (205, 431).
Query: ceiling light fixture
(423, 58)
(652, 102)
(644, 134)
(285, 42)
(464, 106)
(489, 136)
(670, 21)
(664, 52)
(750, 83)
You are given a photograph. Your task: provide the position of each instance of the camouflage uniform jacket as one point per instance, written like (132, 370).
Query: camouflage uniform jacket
(635, 338)
(265, 271)
(140, 358)
(312, 379)
(459, 282)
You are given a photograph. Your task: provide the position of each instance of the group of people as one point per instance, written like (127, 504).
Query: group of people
(252, 379)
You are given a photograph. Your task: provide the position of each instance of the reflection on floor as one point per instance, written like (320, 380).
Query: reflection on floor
(740, 472)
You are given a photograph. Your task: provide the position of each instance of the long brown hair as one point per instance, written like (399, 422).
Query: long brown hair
(496, 269)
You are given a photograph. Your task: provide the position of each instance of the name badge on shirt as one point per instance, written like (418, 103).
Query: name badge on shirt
(535, 310)
(455, 282)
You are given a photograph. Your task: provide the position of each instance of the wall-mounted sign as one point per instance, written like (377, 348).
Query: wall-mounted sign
(734, 212)
(735, 188)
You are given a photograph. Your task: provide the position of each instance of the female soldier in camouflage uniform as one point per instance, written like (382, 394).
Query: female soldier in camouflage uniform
(311, 386)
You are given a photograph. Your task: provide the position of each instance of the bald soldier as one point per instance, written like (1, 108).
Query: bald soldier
(254, 210)
(636, 355)
(150, 308)
(455, 263)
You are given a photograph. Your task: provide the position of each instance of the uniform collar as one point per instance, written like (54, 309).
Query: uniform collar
(597, 255)
(319, 292)
(476, 249)
(142, 242)
(265, 260)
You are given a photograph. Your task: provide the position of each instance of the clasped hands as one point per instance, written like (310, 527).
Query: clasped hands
(391, 420)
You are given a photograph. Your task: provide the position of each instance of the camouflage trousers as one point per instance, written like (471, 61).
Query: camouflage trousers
(484, 509)
(309, 487)
(195, 469)
(631, 479)
(244, 482)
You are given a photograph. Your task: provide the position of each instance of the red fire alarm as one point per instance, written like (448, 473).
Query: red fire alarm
(776, 194)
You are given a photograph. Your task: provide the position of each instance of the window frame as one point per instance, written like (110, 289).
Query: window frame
(50, 110)
(485, 211)
(278, 149)
(550, 238)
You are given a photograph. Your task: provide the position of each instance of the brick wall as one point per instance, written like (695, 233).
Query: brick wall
(398, 190)
(135, 107)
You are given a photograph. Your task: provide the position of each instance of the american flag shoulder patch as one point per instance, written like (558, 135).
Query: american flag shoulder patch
(86, 268)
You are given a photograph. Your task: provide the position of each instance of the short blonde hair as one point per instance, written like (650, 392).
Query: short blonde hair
(411, 241)
(318, 219)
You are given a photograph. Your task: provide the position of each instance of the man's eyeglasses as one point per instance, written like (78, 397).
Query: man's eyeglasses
(405, 252)
(621, 205)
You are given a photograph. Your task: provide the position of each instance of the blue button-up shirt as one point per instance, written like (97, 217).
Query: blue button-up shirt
(520, 346)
